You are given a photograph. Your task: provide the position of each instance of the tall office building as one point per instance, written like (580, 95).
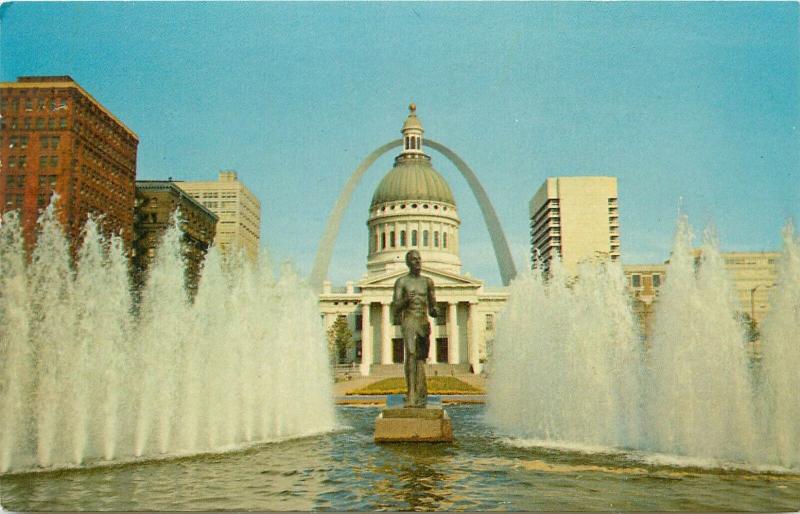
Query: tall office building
(575, 218)
(238, 210)
(56, 138)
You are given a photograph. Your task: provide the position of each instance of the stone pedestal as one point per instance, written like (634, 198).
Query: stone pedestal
(417, 425)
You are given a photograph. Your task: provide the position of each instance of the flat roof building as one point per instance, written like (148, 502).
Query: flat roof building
(156, 201)
(575, 218)
(57, 138)
(238, 210)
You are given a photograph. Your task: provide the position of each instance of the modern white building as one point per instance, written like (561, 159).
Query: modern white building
(575, 218)
(238, 210)
(413, 208)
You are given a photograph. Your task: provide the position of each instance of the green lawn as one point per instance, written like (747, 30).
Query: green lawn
(436, 385)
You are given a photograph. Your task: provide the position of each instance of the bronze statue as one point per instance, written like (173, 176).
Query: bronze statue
(412, 302)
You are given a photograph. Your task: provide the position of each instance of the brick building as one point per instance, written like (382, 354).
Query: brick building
(55, 137)
(156, 201)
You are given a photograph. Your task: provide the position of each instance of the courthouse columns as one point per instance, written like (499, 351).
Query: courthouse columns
(472, 338)
(434, 345)
(386, 336)
(452, 333)
(366, 339)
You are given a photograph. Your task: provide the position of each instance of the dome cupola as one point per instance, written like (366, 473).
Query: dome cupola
(413, 208)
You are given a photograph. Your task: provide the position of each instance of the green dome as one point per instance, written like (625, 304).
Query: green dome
(413, 180)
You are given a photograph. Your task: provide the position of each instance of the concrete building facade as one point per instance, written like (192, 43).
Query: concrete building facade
(237, 208)
(753, 275)
(413, 208)
(56, 138)
(644, 282)
(575, 218)
(156, 202)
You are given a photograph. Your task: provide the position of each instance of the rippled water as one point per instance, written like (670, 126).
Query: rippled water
(345, 470)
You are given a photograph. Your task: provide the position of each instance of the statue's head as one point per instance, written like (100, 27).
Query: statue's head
(414, 261)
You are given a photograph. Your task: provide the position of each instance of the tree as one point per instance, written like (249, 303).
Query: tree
(340, 340)
(750, 326)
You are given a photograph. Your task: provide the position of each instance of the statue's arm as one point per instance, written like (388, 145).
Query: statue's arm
(432, 300)
(398, 302)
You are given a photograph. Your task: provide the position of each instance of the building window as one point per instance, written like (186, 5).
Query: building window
(413, 238)
(39, 123)
(383, 240)
(51, 123)
(636, 281)
(444, 239)
(424, 238)
(490, 322)
(403, 238)
(436, 239)
(391, 239)
(656, 281)
(62, 122)
(26, 123)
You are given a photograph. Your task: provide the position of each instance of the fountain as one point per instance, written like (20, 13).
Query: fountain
(571, 371)
(85, 381)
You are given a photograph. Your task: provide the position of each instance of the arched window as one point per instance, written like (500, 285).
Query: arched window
(383, 240)
(391, 238)
(413, 238)
(436, 239)
(402, 238)
(425, 238)
(444, 239)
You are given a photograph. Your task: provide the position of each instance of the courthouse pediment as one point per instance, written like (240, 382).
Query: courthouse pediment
(441, 280)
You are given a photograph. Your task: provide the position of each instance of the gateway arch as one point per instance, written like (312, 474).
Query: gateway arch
(325, 250)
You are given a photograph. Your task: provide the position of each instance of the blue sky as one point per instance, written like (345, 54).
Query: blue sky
(686, 103)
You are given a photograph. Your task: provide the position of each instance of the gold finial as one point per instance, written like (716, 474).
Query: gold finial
(412, 108)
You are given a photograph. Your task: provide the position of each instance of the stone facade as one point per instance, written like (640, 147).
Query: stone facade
(753, 274)
(156, 201)
(644, 282)
(238, 210)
